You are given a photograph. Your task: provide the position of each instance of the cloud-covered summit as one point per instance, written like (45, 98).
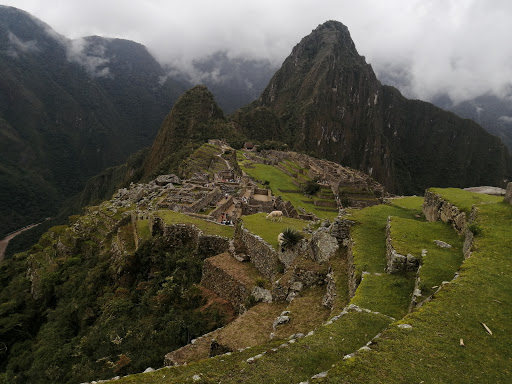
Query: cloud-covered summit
(427, 49)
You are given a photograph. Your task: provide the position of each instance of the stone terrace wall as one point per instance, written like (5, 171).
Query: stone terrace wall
(225, 285)
(260, 253)
(188, 235)
(436, 208)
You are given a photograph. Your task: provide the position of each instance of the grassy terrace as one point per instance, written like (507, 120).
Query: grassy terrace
(172, 217)
(280, 181)
(269, 230)
(464, 200)
(430, 351)
(439, 264)
(379, 291)
(370, 229)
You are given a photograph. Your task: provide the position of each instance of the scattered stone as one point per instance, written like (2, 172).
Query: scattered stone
(365, 348)
(149, 369)
(297, 286)
(320, 375)
(196, 377)
(442, 244)
(404, 326)
(281, 320)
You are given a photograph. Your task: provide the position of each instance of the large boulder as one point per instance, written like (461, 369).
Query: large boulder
(323, 246)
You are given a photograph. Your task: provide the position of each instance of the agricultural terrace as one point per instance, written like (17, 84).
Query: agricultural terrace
(282, 184)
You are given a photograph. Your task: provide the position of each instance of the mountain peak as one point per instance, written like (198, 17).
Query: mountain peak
(191, 119)
(325, 99)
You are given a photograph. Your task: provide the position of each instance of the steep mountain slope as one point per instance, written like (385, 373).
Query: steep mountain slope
(326, 100)
(68, 109)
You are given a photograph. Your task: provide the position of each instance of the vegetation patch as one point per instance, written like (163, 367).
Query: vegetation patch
(302, 359)
(385, 293)
(369, 235)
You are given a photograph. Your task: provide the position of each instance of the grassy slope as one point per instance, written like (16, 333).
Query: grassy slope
(464, 201)
(430, 351)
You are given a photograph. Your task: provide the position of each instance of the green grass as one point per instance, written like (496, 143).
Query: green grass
(209, 228)
(385, 293)
(269, 230)
(464, 200)
(430, 351)
(281, 181)
(413, 203)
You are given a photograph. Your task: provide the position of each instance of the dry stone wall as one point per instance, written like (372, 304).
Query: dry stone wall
(260, 253)
(188, 235)
(225, 285)
(436, 208)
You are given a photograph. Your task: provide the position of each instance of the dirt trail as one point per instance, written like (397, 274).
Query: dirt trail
(5, 241)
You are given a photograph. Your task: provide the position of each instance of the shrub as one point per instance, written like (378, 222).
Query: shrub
(291, 237)
(311, 187)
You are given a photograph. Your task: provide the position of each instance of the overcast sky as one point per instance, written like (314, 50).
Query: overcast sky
(460, 47)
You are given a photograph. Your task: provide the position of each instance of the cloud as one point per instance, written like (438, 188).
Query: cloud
(505, 119)
(426, 48)
(90, 56)
(22, 46)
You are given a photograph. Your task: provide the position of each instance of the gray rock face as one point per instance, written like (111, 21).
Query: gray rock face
(262, 294)
(508, 193)
(323, 246)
